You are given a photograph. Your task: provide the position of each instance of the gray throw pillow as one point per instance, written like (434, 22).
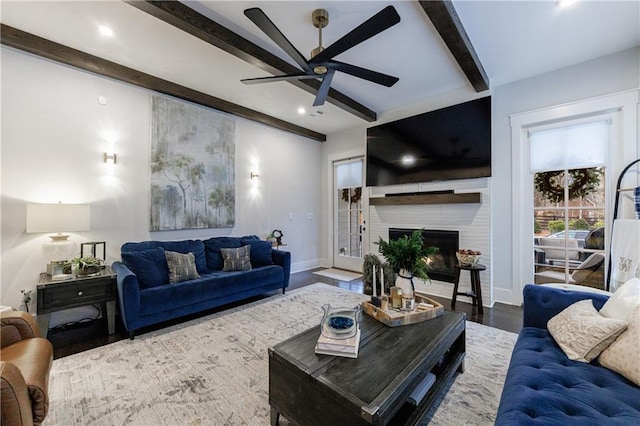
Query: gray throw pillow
(236, 259)
(182, 267)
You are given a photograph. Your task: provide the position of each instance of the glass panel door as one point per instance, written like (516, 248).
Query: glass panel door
(348, 214)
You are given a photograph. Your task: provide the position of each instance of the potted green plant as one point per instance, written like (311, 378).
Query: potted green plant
(407, 256)
(87, 265)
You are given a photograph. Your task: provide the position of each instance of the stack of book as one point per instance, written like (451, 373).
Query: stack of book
(339, 347)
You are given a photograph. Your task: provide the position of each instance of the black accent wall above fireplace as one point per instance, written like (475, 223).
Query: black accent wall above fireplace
(441, 264)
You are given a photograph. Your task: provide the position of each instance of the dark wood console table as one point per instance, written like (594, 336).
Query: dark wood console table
(311, 389)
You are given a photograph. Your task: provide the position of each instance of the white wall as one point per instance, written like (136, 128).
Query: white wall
(54, 132)
(606, 75)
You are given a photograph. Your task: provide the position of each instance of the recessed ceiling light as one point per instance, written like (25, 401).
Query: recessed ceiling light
(105, 31)
(301, 110)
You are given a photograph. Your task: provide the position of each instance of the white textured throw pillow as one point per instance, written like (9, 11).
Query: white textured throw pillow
(582, 333)
(622, 355)
(623, 301)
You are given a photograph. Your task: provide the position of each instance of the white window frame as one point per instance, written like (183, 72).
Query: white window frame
(623, 110)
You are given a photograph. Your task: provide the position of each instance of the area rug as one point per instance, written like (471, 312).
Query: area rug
(214, 370)
(338, 274)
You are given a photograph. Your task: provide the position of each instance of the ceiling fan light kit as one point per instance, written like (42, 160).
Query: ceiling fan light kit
(322, 65)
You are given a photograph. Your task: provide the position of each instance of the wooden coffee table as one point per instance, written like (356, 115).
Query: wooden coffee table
(310, 389)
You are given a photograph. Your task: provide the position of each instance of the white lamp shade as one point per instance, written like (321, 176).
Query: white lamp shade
(57, 217)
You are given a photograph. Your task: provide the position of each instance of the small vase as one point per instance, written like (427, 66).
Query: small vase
(405, 282)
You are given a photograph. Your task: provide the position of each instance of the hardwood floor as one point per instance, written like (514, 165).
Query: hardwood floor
(81, 337)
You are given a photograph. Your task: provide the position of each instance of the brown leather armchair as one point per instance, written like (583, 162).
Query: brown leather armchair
(25, 362)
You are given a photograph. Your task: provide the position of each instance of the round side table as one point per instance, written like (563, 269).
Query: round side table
(476, 289)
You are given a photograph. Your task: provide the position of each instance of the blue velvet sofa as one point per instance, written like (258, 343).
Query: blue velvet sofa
(146, 297)
(544, 387)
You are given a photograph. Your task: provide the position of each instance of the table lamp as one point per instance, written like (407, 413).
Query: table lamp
(58, 218)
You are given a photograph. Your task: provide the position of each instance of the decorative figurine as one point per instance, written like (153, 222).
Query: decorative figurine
(277, 234)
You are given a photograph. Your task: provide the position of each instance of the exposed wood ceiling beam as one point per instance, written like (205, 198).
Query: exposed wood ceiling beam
(31, 43)
(192, 22)
(446, 20)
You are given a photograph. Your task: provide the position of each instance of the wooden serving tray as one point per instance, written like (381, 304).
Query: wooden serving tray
(396, 318)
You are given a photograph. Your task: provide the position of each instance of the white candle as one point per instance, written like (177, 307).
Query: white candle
(375, 294)
(382, 282)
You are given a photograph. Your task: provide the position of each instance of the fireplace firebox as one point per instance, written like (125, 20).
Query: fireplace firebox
(441, 263)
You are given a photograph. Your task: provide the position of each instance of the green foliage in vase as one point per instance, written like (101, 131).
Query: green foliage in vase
(408, 253)
(83, 263)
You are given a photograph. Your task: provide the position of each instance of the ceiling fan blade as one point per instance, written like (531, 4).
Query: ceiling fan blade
(379, 22)
(370, 75)
(288, 77)
(262, 21)
(323, 91)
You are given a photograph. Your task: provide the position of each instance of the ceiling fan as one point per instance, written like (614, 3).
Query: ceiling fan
(322, 65)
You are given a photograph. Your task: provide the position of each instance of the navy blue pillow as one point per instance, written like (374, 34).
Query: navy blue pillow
(187, 246)
(212, 248)
(144, 245)
(260, 251)
(150, 266)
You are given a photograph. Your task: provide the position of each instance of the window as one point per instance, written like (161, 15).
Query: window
(567, 163)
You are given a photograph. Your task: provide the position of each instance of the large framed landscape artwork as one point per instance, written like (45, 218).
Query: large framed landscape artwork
(192, 166)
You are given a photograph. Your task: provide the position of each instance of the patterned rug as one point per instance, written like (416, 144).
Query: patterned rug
(214, 370)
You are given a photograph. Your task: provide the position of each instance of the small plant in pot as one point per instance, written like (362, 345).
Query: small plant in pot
(87, 265)
(407, 256)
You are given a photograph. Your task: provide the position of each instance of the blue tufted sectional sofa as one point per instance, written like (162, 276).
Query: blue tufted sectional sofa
(544, 387)
(146, 297)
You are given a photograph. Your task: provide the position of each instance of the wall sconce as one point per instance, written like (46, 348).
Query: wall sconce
(110, 158)
(254, 176)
